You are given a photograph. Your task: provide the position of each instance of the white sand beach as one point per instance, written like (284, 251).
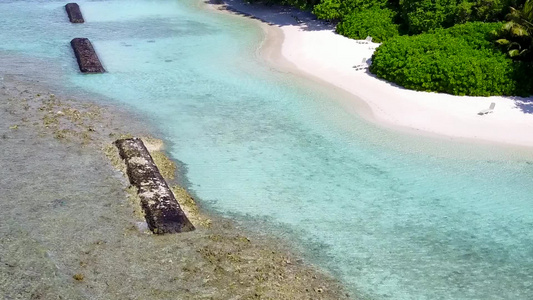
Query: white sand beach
(312, 46)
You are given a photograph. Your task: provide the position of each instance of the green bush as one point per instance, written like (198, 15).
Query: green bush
(423, 15)
(339, 9)
(460, 60)
(301, 4)
(476, 34)
(374, 22)
(484, 10)
(329, 10)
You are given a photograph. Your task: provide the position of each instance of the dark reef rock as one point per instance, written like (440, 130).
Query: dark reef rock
(86, 56)
(162, 212)
(74, 13)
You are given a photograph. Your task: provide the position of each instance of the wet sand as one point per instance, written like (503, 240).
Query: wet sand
(71, 229)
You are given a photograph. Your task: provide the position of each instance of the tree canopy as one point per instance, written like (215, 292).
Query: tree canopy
(517, 34)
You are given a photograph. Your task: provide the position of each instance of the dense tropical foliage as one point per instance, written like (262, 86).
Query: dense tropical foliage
(457, 60)
(375, 22)
(461, 47)
(517, 34)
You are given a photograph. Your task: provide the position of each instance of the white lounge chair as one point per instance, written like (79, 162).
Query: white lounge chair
(363, 65)
(366, 41)
(487, 111)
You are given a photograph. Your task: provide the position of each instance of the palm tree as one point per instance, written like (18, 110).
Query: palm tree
(517, 34)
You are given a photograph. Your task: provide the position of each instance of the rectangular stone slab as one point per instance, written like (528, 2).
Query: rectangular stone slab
(74, 13)
(86, 56)
(162, 212)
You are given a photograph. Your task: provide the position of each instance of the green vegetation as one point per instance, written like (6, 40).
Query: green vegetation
(517, 34)
(375, 22)
(339, 9)
(461, 47)
(451, 60)
(422, 15)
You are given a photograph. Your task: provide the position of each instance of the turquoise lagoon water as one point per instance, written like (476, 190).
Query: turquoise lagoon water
(393, 216)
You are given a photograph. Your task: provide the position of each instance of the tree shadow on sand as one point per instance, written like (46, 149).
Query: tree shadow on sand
(274, 15)
(524, 104)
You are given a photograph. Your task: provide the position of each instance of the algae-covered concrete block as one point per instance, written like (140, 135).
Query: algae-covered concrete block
(162, 212)
(86, 56)
(74, 13)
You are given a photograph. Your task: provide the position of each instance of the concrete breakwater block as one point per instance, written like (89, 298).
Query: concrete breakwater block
(74, 13)
(162, 212)
(86, 56)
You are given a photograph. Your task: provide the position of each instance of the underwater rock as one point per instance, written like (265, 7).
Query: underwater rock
(162, 212)
(74, 13)
(86, 56)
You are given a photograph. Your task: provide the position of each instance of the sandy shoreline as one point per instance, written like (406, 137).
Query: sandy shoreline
(313, 48)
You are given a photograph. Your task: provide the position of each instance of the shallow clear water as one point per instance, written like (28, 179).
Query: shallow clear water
(393, 216)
